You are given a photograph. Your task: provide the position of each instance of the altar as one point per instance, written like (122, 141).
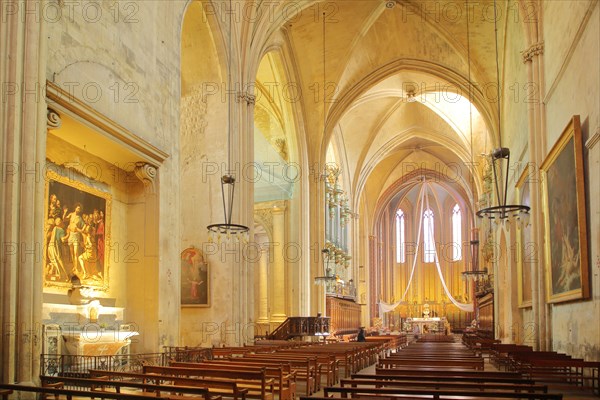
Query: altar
(88, 329)
(432, 325)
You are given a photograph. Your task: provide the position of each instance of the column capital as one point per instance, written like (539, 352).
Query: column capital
(535, 49)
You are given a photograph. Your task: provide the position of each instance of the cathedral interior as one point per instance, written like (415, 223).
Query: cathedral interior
(372, 162)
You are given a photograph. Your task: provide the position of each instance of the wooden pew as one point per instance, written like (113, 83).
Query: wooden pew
(436, 393)
(156, 390)
(279, 372)
(499, 354)
(561, 371)
(417, 363)
(227, 389)
(70, 393)
(226, 352)
(305, 367)
(454, 384)
(343, 353)
(441, 374)
(256, 381)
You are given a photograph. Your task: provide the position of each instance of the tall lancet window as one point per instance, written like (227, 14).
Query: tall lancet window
(400, 239)
(456, 233)
(428, 237)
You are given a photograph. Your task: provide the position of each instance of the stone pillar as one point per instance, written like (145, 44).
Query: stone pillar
(263, 285)
(372, 277)
(279, 300)
(23, 143)
(537, 134)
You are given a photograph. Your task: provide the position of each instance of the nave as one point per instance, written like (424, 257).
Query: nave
(383, 367)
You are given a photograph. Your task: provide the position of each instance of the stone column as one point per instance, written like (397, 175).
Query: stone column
(279, 300)
(263, 285)
(372, 278)
(531, 57)
(23, 143)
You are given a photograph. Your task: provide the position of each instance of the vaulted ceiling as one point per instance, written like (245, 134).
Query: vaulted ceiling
(399, 76)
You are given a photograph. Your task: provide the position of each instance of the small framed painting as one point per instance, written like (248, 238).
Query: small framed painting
(195, 279)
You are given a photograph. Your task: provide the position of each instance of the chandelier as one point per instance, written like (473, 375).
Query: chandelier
(227, 229)
(329, 276)
(502, 212)
(473, 273)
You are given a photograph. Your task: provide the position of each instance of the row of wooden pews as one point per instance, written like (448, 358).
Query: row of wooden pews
(428, 355)
(55, 391)
(557, 369)
(265, 371)
(437, 370)
(269, 371)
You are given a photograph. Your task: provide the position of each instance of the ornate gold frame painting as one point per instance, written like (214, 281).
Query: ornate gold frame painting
(77, 233)
(565, 217)
(528, 251)
(195, 279)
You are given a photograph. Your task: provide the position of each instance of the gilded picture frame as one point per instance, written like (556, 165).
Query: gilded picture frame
(527, 250)
(76, 233)
(566, 256)
(195, 279)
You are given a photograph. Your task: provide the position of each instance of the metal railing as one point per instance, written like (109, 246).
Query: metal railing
(79, 365)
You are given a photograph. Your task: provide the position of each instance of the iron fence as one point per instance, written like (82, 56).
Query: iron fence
(79, 365)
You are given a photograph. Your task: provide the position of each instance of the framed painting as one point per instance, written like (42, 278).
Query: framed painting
(77, 231)
(528, 251)
(565, 217)
(195, 279)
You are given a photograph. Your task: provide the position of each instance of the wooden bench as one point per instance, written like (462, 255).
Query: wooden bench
(70, 393)
(344, 356)
(227, 389)
(499, 353)
(429, 363)
(283, 378)
(97, 384)
(436, 393)
(444, 376)
(561, 371)
(454, 384)
(256, 381)
(442, 373)
(305, 367)
(282, 371)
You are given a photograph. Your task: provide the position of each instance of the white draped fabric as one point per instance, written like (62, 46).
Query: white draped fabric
(387, 307)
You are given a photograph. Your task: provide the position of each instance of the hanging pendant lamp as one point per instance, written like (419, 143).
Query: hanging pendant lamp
(500, 161)
(227, 229)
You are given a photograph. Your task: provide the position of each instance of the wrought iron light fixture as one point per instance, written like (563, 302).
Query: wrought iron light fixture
(328, 277)
(227, 229)
(474, 273)
(502, 212)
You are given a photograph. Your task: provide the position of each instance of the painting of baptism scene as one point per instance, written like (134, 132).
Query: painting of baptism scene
(77, 219)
